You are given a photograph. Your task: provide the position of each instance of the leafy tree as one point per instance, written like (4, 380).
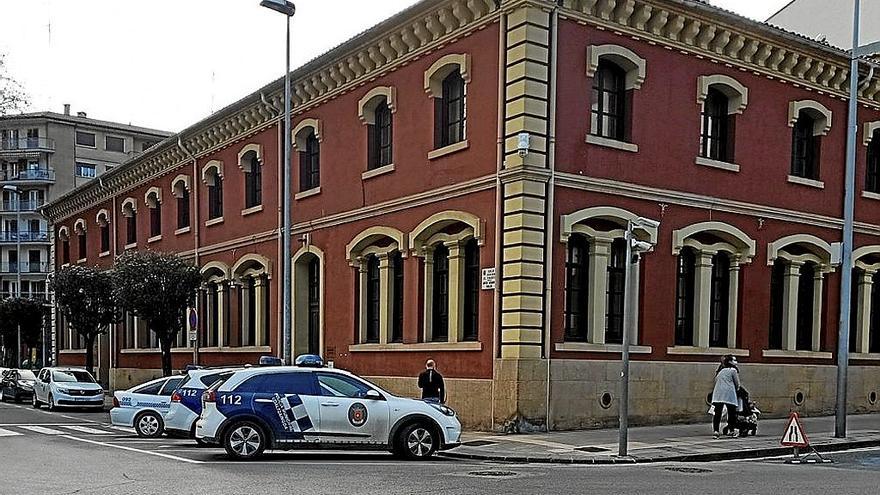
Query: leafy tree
(12, 95)
(157, 288)
(8, 331)
(25, 316)
(85, 297)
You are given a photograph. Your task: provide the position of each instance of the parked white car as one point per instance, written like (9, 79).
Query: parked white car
(70, 387)
(144, 406)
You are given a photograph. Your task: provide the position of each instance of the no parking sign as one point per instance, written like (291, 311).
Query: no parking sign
(193, 324)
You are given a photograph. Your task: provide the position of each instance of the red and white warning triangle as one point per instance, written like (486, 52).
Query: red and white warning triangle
(794, 435)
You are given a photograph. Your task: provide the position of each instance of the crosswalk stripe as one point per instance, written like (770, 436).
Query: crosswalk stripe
(8, 433)
(40, 429)
(86, 429)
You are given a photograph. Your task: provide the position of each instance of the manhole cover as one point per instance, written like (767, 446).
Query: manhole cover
(478, 443)
(688, 470)
(492, 474)
(592, 449)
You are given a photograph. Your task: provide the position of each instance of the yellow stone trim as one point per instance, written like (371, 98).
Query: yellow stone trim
(370, 237)
(870, 129)
(376, 172)
(367, 104)
(634, 65)
(79, 226)
(617, 215)
(211, 171)
(816, 110)
(744, 244)
(612, 143)
(442, 67)
(299, 312)
(264, 263)
(250, 211)
(737, 94)
(706, 351)
(418, 347)
(250, 147)
(299, 133)
(307, 193)
(605, 348)
(213, 221)
(448, 150)
(129, 207)
(105, 214)
(183, 180)
(708, 162)
(153, 197)
(439, 221)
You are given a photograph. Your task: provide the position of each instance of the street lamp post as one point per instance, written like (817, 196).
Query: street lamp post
(634, 251)
(14, 190)
(848, 219)
(288, 9)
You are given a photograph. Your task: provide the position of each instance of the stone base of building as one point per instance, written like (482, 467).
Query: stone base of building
(584, 394)
(125, 378)
(665, 392)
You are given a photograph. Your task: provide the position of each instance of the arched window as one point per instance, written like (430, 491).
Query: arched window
(250, 162)
(797, 291)
(180, 190)
(215, 305)
(865, 314)
(103, 220)
(379, 263)
(153, 201)
(576, 287)
(440, 303)
(212, 176)
(715, 135)
(310, 163)
(710, 255)
(608, 110)
(251, 274)
(129, 211)
(872, 171)
(64, 236)
(314, 306)
(804, 148)
(80, 228)
(470, 331)
(373, 299)
(684, 297)
(380, 138)
(810, 120)
(596, 277)
(446, 82)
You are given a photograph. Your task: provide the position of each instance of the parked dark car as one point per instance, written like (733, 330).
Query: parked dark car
(17, 385)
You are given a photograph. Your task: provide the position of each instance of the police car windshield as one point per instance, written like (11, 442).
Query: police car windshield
(72, 377)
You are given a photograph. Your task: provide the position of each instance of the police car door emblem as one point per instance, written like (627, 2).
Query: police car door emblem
(357, 414)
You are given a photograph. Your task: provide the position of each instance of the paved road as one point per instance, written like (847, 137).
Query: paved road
(78, 452)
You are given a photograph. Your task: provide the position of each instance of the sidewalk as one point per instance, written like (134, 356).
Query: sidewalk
(692, 443)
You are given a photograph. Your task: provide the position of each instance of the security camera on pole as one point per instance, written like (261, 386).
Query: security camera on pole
(634, 250)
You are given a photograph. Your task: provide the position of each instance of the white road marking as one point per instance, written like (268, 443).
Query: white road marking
(127, 429)
(86, 429)
(132, 449)
(41, 429)
(9, 433)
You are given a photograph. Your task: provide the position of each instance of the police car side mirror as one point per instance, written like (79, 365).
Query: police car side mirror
(372, 395)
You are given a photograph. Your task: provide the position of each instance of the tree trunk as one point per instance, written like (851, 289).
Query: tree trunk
(165, 344)
(90, 353)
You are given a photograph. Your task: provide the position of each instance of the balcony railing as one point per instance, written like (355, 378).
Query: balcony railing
(25, 205)
(42, 297)
(25, 236)
(25, 267)
(29, 174)
(27, 143)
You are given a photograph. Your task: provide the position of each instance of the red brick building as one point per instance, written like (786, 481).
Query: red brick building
(522, 135)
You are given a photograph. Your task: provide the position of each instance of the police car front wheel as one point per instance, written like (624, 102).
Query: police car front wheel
(417, 441)
(148, 425)
(244, 441)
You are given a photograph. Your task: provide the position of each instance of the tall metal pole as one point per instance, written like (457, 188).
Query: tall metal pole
(285, 232)
(847, 241)
(18, 269)
(629, 290)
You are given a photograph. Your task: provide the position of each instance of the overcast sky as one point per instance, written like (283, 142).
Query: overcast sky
(169, 63)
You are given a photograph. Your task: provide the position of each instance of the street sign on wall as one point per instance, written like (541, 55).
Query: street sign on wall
(488, 278)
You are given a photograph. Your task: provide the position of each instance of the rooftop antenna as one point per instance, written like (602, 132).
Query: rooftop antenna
(212, 91)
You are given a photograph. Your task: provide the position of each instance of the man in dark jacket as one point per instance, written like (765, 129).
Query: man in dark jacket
(431, 383)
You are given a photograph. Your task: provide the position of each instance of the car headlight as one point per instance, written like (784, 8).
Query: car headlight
(444, 409)
(63, 391)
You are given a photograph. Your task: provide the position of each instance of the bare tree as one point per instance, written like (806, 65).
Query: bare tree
(12, 95)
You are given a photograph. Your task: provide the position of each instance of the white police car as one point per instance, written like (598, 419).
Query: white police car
(144, 406)
(186, 400)
(305, 407)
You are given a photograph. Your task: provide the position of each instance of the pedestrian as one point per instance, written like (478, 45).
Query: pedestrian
(724, 395)
(431, 383)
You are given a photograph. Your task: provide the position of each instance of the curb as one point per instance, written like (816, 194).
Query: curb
(711, 457)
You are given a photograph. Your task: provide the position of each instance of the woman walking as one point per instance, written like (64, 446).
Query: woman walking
(724, 394)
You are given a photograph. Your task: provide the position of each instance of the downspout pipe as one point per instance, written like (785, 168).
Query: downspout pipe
(551, 207)
(194, 225)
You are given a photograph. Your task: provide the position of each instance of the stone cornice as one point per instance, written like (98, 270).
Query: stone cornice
(697, 28)
(391, 44)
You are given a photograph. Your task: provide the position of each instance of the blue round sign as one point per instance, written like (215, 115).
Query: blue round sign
(193, 319)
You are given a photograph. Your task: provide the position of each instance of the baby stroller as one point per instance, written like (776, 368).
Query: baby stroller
(746, 415)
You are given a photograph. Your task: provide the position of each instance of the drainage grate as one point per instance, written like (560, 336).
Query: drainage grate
(592, 449)
(689, 470)
(478, 443)
(492, 474)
